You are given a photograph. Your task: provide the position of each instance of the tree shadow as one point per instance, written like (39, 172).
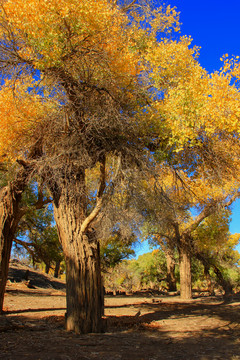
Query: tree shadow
(32, 310)
(45, 339)
(178, 310)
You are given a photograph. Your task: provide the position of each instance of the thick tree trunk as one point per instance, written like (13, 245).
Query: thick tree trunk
(84, 290)
(185, 271)
(83, 273)
(171, 279)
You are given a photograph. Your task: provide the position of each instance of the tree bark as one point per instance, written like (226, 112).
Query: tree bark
(171, 280)
(47, 268)
(208, 279)
(82, 257)
(185, 270)
(227, 286)
(57, 268)
(10, 215)
(9, 218)
(7, 230)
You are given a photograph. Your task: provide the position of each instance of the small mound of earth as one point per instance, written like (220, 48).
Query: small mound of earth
(19, 272)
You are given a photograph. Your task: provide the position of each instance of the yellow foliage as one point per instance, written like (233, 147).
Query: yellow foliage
(52, 30)
(20, 114)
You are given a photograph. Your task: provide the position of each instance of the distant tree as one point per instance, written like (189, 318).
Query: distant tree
(214, 246)
(151, 269)
(146, 272)
(175, 205)
(115, 249)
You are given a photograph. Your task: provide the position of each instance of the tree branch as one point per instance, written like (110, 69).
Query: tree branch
(25, 245)
(127, 7)
(86, 223)
(209, 210)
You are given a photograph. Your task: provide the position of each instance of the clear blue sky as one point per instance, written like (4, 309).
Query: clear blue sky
(214, 25)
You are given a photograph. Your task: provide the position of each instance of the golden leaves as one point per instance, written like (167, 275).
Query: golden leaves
(56, 29)
(195, 101)
(20, 114)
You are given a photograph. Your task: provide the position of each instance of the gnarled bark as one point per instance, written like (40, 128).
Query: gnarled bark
(185, 270)
(83, 281)
(171, 279)
(81, 252)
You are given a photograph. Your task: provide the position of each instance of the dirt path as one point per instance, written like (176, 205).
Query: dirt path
(137, 328)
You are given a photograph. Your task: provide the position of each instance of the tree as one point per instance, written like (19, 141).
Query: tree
(151, 269)
(201, 115)
(174, 205)
(10, 197)
(87, 84)
(115, 249)
(12, 210)
(146, 272)
(215, 247)
(37, 233)
(73, 93)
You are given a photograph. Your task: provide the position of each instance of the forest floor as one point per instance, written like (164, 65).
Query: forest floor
(138, 327)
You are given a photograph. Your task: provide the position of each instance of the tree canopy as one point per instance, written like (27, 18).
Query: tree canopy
(86, 85)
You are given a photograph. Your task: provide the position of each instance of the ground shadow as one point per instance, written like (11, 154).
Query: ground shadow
(32, 310)
(45, 339)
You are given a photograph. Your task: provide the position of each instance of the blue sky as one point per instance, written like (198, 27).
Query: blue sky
(214, 25)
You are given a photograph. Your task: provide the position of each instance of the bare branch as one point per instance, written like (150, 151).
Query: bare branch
(127, 7)
(99, 199)
(26, 245)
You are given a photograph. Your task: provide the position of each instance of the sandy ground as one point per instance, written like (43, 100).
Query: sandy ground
(137, 328)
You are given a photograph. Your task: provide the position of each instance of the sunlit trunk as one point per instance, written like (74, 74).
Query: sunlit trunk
(171, 279)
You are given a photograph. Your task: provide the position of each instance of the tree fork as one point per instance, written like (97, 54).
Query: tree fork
(82, 254)
(83, 272)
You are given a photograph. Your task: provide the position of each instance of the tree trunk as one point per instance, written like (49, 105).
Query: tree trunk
(225, 283)
(185, 271)
(10, 215)
(83, 273)
(8, 224)
(171, 280)
(47, 268)
(208, 279)
(57, 268)
(210, 262)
